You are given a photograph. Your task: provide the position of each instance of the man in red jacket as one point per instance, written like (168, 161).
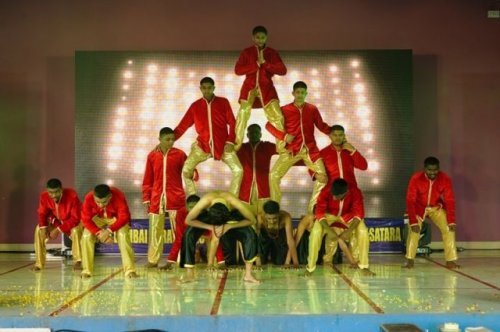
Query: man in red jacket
(255, 157)
(214, 122)
(300, 120)
(430, 194)
(105, 216)
(58, 212)
(259, 64)
(162, 192)
(340, 213)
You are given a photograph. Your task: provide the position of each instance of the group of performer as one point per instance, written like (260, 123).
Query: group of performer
(246, 222)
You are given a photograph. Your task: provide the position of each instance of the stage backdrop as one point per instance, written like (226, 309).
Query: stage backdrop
(124, 98)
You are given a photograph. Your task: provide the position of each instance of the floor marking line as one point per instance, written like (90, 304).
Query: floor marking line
(82, 295)
(17, 268)
(464, 274)
(218, 296)
(365, 297)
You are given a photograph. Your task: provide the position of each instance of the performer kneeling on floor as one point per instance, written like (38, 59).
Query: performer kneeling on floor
(219, 205)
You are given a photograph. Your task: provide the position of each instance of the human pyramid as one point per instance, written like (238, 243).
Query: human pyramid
(246, 220)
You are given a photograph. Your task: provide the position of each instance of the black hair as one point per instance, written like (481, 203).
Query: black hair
(299, 84)
(254, 125)
(339, 187)
(193, 199)
(337, 127)
(259, 28)
(431, 161)
(54, 183)
(271, 207)
(166, 131)
(207, 80)
(218, 214)
(102, 191)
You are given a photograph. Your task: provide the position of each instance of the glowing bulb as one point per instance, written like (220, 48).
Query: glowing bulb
(335, 80)
(355, 63)
(359, 88)
(128, 74)
(334, 69)
(373, 166)
(367, 137)
(375, 181)
(314, 72)
(125, 86)
(110, 182)
(361, 99)
(115, 152)
(130, 62)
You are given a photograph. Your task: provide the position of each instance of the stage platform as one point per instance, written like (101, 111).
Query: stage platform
(333, 299)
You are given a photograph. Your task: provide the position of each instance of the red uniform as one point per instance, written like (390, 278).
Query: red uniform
(423, 192)
(211, 121)
(259, 77)
(341, 164)
(256, 162)
(64, 215)
(116, 208)
(348, 208)
(163, 176)
(300, 123)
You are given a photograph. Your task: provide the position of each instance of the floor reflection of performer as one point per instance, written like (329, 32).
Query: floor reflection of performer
(430, 194)
(214, 122)
(162, 192)
(58, 212)
(300, 120)
(219, 206)
(105, 213)
(259, 63)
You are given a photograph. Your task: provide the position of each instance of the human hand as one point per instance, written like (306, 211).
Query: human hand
(452, 228)
(104, 236)
(53, 233)
(348, 146)
(415, 228)
(146, 206)
(228, 148)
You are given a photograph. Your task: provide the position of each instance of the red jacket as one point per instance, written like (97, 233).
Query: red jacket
(64, 215)
(211, 121)
(163, 176)
(300, 123)
(116, 208)
(348, 208)
(341, 164)
(422, 193)
(260, 77)
(256, 163)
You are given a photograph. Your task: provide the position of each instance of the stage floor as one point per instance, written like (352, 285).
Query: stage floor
(430, 288)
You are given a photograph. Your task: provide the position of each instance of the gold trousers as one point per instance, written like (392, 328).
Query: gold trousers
(438, 217)
(273, 114)
(122, 236)
(256, 205)
(156, 234)
(285, 161)
(359, 244)
(197, 156)
(41, 248)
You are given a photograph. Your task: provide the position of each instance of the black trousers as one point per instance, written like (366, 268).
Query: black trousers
(273, 250)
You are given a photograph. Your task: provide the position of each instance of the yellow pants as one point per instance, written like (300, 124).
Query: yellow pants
(124, 243)
(285, 161)
(359, 244)
(273, 114)
(41, 249)
(156, 232)
(197, 156)
(438, 217)
(256, 205)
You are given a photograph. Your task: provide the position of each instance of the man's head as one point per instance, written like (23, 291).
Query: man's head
(431, 167)
(259, 34)
(272, 213)
(254, 133)
(299, 92)
(166, 138)
(339, 189)
(102, 195)
(337, 135)
(218, 214)
(54, 189)
(191, 201)
(207, 87)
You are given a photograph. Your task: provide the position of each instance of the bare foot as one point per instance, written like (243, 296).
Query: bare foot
(150, 265)
(167, 267)
(132, 275)
(367, 272)
(251, 280)
(77, 266)
(452, 265)
(36, 269)
(307, 274)
(329, 264)
(85, 275)
(354, 266)
(409, 264)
